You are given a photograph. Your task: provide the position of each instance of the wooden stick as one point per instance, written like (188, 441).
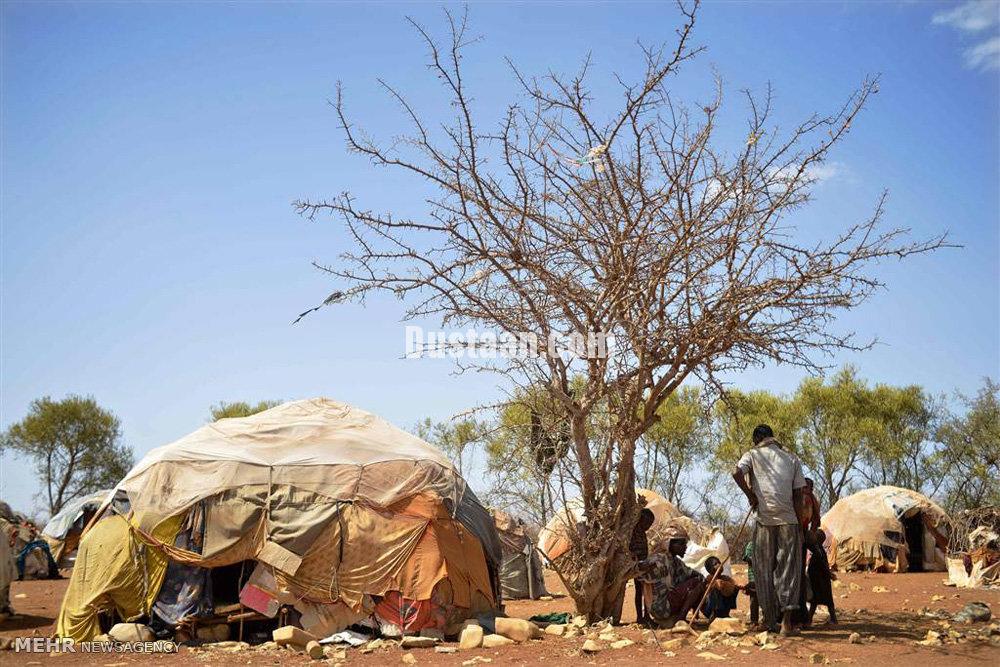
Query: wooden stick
(708, 588)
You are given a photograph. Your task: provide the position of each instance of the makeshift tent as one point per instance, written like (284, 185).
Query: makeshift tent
(704, 541)
(521, 571)
(974, 548)
(314, 510)
(886, 528)
(63, 530)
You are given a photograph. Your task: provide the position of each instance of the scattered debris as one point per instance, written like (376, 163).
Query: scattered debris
(590, 646)
(408, 659)
(974, 612)
(555, 629)
(879, 589)
(476, 660)
(418, 642)
(708, 655)
(855, 638)
(546, 598)
(818, 659)
(622, 643)
(732, 626)
(445, 649)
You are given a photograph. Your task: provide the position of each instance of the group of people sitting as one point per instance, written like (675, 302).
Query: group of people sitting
(786, 533)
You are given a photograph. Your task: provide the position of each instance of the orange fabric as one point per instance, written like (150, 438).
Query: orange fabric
(376, 546)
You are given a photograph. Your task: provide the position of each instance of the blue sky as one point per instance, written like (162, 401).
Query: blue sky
(151, 258)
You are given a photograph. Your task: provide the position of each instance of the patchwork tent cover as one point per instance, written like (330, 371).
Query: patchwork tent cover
(66, 519)
(521, 574)
(339, 507)
(865, 530)
(704, 541)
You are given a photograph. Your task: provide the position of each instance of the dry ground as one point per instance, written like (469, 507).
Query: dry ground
(893, 618)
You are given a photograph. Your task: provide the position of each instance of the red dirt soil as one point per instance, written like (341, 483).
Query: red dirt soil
(892, 618)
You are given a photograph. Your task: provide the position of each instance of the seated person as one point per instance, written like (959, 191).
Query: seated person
(676, 588)
(820, 577)
(721, 598)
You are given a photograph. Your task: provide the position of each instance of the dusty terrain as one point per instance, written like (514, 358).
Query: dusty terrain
(892, 618)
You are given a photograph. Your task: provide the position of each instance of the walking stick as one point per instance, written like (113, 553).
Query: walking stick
(711, 580)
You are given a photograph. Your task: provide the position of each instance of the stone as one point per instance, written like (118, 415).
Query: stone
(476, 660)
(334, 653)
(672, 644)
(937, 598)
(590, 646)
(669, 654)
(770, 646)
(408, 659)
(470, 637)
(496, 641)
(131, 632)
(853, 586)
(517, 629)
(974, 612)
(932, 639)
(289, 635)
(731, 626)
(555, 629)
(761, 638)
(817, 659)
(314, 650)
(622, 643)
(855, 638)
(546, 598)
(608, 636)
(879, 589)
(682, 628)
(579, 621)
(418, 642)
(708, 655)
(445, 649)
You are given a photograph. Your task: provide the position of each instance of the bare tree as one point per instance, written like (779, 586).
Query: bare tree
(559, 222)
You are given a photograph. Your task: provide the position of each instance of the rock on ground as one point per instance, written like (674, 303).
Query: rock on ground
(471, 637)
(494, 641)
(131, 632)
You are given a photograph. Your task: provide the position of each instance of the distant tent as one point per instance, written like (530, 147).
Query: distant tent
(521, 574)
(314, 513)
(974, 548)
(704, 541)
(63, 530)
(889, 529)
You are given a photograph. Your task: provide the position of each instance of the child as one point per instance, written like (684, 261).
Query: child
(820, 577)
(639, 548)
(722, 598)
(751, 587)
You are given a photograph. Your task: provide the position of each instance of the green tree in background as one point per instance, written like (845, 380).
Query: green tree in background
(223, 410)
(735, 418)
(453, 438)
(969, 459)
(75, 446)
(676, 443)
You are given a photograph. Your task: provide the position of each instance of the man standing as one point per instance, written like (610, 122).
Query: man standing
(775, 492)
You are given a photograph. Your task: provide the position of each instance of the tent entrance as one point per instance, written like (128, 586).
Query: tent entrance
(914, 528)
